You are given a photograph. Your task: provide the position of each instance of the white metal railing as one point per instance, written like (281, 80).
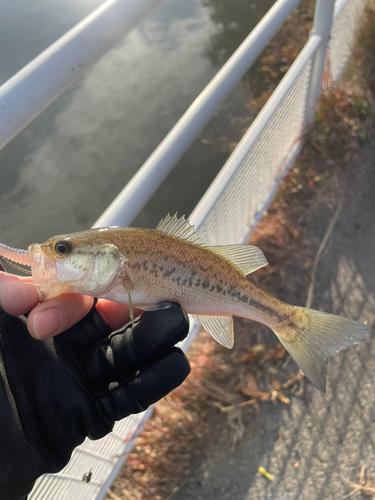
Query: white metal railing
(24, 96)
(226, 174)
(152, 173)
(241, 191)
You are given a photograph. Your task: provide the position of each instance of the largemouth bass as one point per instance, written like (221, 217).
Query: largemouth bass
(148, 269)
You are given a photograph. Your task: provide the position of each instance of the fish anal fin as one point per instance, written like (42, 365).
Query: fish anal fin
(220, 328)
(179, 228)
(246, 258)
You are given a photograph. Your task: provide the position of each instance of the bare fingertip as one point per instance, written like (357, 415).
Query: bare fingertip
(17, 296)
(48, 323)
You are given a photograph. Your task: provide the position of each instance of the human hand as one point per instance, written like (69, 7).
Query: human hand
(55, 392)
(18, 296)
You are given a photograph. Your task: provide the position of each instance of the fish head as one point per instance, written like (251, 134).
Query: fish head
(77, 263)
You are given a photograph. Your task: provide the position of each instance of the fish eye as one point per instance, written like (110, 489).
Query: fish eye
(63, 247)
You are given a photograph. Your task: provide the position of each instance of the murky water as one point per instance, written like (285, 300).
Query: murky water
(63, 170)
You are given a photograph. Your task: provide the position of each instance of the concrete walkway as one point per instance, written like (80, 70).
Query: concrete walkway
(311, 444)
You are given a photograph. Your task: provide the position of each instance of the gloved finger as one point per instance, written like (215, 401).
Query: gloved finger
(101, 320)
(128, 395)
(152, 335)
(57, 315)
(85, 334)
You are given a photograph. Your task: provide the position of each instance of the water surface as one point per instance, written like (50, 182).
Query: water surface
(63, 170)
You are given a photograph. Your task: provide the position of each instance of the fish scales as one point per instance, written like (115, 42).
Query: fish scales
(149, 268)
(166, 268)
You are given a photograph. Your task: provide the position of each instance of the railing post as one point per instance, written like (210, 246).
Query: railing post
(322, 27)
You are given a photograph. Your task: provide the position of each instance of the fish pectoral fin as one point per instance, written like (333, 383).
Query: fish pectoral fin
(154, 307)
(220, 328)
(246, 257)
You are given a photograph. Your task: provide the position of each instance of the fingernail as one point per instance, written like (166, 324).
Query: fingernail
(43, 320)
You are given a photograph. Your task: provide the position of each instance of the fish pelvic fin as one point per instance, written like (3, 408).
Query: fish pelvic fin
(313, 337)
(220, 328)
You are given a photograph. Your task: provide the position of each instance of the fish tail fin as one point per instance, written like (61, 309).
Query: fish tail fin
(313, 336)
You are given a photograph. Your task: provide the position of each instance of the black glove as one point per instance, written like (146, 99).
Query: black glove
(56, 392)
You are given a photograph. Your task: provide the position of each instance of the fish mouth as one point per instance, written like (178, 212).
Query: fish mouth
(45, 274)
(52, 278)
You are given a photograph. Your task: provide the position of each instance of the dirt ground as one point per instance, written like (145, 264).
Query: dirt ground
(317, 444)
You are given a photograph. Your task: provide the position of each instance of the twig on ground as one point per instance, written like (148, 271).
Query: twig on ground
(112, 495)
(310, 293)
(367, 490)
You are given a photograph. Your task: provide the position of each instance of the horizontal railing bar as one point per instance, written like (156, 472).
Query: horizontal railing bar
(26, 94)
(251, 136)
(156, 168)
(59, 477)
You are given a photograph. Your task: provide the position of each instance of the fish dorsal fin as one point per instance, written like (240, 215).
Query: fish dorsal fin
(180, 228)
(220, 328)
(246, 257)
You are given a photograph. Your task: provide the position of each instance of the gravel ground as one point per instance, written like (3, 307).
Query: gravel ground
(310, 445)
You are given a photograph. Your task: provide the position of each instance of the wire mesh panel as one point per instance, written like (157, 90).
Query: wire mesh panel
(97, 457)
(343, 37)
(246, 194)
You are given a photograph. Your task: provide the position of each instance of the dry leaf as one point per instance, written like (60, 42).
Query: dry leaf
(262, 396)
(273, 354)
(251, 382)
(277, 392)
(248, 357)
